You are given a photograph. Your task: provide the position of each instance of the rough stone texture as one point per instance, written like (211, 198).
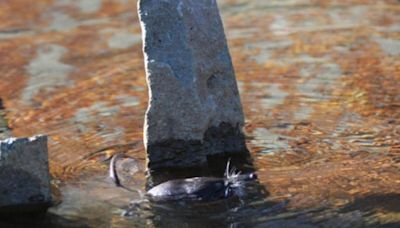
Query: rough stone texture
(24, 174)
(194, 109)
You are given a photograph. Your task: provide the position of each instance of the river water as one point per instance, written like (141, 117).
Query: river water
(320, 86)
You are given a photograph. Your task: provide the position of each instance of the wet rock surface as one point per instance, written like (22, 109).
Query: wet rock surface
(24, 175)
(192, 85)
(223, 139)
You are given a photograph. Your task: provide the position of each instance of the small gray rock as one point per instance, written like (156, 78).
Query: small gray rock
(24, 175)
(194, 108)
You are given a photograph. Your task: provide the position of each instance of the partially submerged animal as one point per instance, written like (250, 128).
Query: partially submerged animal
(196, 188)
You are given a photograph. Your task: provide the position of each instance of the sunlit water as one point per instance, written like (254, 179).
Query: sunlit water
(319, 83)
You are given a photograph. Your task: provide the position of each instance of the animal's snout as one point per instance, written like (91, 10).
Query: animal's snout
(253, 176)
(250, 176)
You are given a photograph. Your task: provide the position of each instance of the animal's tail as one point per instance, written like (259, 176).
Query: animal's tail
(113, 173)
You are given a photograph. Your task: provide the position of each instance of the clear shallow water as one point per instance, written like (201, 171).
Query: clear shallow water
(319, 82)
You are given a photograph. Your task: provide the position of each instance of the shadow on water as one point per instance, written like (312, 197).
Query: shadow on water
(386, 202)
(379, 208)
(231, 212)
(42, 220)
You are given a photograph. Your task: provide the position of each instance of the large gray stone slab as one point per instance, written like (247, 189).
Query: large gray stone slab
(194, 107)
(24, 175)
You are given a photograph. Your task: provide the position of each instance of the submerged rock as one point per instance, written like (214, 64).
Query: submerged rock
(194, 109)
(24, 175)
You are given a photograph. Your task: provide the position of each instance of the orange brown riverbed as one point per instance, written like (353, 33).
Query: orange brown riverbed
(319, 82)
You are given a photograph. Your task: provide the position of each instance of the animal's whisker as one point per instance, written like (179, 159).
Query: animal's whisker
(227, 173)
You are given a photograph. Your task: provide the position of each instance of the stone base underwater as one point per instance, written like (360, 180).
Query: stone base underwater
(174, 153)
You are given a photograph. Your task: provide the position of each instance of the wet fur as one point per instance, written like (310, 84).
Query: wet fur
(196, 188)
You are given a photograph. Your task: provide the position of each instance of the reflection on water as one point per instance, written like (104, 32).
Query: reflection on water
(318, 85)
(269, 141)
(319, 82)
(121, 207)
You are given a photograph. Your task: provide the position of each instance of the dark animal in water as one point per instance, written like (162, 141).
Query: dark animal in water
(196, 188)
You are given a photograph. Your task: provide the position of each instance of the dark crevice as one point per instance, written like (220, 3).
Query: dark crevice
(211, 82)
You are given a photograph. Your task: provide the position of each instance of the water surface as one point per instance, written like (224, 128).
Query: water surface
(319, 83)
